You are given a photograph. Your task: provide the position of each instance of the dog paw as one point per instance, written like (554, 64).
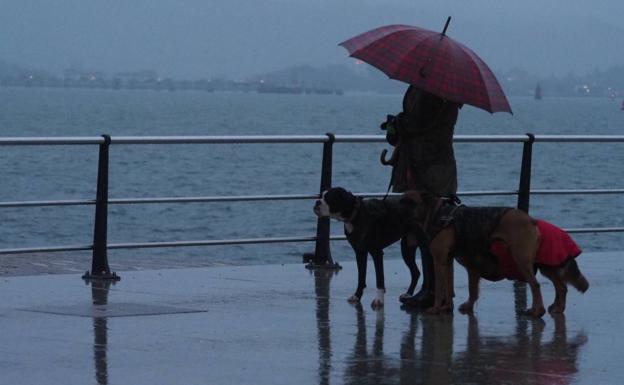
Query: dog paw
(377, 304)
(465, 308)
(353, 299)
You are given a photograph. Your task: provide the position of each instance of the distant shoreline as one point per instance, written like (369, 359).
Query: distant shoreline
(252, 91)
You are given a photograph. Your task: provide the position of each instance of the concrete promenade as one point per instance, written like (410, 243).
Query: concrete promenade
(283, 324)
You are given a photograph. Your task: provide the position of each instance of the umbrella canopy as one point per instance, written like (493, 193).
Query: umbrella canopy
(432, 62)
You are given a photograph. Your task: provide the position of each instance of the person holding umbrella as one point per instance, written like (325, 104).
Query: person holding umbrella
(443, 74)
(422, 134)
(423, 160)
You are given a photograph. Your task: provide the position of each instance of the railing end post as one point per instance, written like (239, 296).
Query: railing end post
(330, 265)
(104, 276)
(99, 259)
(524, 187)
(321, 257)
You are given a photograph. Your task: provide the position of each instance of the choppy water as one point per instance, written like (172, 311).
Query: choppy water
(69, 172)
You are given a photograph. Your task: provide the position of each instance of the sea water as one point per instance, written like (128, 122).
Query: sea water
(137, 171)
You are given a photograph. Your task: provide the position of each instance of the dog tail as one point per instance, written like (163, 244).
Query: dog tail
(573, 275)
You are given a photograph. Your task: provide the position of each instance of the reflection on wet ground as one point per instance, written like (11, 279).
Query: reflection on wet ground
(428, 353)
(322, 280)
(284, 325)
(99, 294)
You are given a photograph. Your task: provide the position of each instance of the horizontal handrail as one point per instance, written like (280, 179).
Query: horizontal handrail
(69, 202)
(50, 141)
(249, 198)
(266, 139)
(285, 197)
(579, 138)
(276, 139)
(596, 230)
(215, 242)
(45, 249)
(241, 241)
(579, 192)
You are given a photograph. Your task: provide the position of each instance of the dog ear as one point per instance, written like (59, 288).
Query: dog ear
(347, 202)
(339, 199)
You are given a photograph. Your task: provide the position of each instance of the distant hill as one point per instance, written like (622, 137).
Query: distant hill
(516, 82)
(605, 83)
(334, 76)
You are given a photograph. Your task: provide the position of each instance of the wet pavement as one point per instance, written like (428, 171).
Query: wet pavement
(283, 324)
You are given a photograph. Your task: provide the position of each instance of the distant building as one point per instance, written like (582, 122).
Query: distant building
(141, 76)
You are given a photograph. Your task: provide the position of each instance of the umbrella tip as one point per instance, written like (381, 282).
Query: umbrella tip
(448, 20)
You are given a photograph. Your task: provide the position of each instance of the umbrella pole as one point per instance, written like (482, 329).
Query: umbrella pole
(446, 26)
(423, 70)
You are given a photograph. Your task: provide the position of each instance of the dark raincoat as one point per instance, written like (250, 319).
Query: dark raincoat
(425, 159)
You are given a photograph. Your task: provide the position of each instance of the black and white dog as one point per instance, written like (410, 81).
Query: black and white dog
(371, 225)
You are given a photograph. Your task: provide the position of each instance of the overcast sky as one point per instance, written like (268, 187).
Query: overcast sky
(236, 38)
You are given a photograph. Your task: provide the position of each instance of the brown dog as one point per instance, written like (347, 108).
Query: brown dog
(496, 243)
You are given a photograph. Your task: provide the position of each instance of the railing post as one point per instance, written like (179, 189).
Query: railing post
(99, 260)
(524, 188)
(321, 258)
(524, 195)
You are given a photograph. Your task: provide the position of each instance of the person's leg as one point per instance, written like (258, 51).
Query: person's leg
(425, 296)
(427, 288)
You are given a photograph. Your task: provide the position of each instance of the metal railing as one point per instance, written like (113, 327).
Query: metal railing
(322, 253)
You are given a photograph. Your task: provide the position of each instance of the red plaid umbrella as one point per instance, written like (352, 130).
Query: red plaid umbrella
(432, 62)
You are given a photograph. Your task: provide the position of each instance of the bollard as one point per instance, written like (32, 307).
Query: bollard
(99, 260)
(321, 258)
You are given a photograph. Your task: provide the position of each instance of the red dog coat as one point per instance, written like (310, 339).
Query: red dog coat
(555, 247)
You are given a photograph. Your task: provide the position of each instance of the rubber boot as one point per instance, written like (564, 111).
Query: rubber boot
(424, 298)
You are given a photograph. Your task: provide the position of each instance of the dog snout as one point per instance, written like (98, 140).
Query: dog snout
(317, 208)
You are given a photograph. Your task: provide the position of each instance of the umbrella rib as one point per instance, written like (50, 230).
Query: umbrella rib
(388, 31)
(477, 59)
